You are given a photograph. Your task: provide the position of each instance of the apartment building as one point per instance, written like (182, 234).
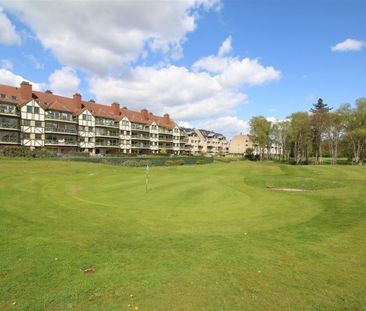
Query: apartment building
(240, 143)
(199, 141)
(44, 120)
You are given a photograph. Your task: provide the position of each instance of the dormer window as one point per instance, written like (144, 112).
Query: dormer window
(13, 97)
(2, 95)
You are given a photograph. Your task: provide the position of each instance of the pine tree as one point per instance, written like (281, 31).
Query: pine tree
(319, 117)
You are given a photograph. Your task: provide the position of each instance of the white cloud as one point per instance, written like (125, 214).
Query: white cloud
(235, 71)
(228, 125)
(6, 64)
(8, 34)
(184, 124)
(64, 81)
(273, 120)
(213, 88)
(97, 37)
(225, 47)
(184, 94)
(348, 45)
(7, 77)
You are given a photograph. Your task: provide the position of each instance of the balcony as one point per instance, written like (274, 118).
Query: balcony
(165, 131)
(141, 128)
(165, 139)
(60, 142)
(140, 146)
(7, 126)
(60, 130)
(61, 119)
(140, 137)
(9, 111)
(107, 145)
(9, 138)
(107, 135)
(103, 123)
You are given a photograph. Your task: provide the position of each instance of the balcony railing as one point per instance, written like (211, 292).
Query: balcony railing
(115, 135)
(142, 128)
(62, 119)
(140, 146)
(12, 112)
(106, 144)
(9, 126)
(60, 130)
(165, 139)
(165, 132)
(60, 142)
(10, 140)
(106, 124)
(138, 137)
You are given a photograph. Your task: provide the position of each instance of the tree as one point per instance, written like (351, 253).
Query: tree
(300, 135)
(355, 125)
(260, 130)
(334, 132)
(280, 133)
(319, 117)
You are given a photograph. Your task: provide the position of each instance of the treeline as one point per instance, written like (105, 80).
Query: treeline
(306, 137)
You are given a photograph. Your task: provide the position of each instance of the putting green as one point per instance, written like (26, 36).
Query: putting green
(205, 237)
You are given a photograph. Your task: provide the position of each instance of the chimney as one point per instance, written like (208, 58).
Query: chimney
(166, 118)
(26, 90)
(144, 114)
(77, 100)
(124, 107)
(116, 109)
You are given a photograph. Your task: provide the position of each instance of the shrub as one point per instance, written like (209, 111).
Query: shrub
(136, 163)
(174, 162)
(16, 151)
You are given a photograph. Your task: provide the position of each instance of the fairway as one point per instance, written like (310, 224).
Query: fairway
(225, 236)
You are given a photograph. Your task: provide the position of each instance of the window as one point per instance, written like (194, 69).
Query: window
(38, 124)
(36, 110)
(26, 136)
(38, 136)
(26, 122)
(2, 95)
(29, 109)
(87, 117)
(13, 97)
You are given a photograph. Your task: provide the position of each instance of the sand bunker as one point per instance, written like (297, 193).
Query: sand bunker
(287, 189)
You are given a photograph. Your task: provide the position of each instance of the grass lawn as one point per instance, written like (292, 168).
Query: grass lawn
(212, 237)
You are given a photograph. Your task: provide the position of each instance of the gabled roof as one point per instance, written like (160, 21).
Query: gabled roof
(55, 102)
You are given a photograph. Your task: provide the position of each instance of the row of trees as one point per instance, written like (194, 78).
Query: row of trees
(306, 136)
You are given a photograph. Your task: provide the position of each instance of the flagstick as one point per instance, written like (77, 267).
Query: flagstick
(147, 178)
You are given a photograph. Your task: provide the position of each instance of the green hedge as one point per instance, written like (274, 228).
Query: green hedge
(25, 152)
(143, 161)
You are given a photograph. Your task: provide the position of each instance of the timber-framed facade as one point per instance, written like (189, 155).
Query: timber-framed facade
(43, 120)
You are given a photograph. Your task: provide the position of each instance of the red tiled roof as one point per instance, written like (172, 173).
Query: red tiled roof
(9, 92)
(49, 101)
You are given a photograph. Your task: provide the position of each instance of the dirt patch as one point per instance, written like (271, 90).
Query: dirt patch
(73, 189)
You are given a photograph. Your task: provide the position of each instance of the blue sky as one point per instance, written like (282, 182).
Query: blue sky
(209, 63)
